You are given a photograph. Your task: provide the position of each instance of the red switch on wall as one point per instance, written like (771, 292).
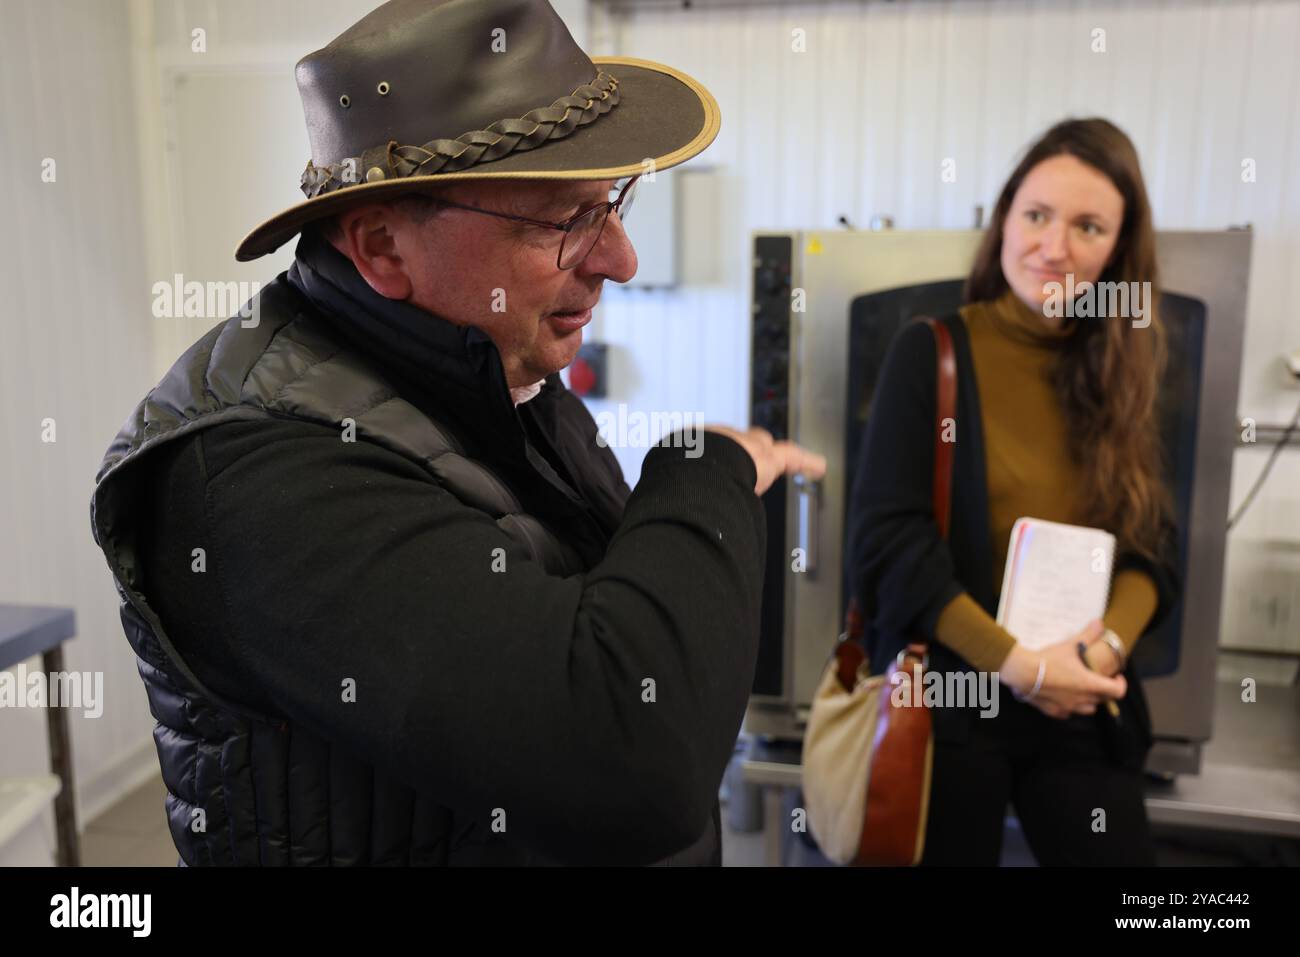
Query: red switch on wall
(588, 373)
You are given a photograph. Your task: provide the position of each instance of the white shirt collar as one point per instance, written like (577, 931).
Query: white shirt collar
(526, 392)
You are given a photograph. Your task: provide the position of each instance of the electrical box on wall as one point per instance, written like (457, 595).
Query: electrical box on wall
(674, 227)
(652, 228)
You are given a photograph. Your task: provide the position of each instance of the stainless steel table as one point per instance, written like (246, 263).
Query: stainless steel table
(25, 631)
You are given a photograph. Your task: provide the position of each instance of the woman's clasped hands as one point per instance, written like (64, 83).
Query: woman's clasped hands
(1057, 682)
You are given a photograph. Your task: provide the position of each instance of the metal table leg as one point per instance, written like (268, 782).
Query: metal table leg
(774, 826)
(65, 809)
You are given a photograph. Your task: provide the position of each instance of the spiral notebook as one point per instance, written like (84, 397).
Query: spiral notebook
(1057, 579)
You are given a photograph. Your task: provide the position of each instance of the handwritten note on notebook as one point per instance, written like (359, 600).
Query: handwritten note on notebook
(1057, 580)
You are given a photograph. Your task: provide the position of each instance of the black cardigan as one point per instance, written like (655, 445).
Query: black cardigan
(901, 570)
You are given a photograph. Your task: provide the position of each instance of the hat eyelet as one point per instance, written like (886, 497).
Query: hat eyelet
(383, 88)
(344, 101)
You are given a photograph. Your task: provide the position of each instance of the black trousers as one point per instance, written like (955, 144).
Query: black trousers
(1075, 804)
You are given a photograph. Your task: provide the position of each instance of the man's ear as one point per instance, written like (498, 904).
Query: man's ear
(368, 236)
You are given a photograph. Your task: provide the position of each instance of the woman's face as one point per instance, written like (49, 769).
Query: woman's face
(1064, 219)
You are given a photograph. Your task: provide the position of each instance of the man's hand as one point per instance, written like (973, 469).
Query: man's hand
(773, 459)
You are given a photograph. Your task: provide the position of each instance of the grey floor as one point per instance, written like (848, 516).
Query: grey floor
(131, 833)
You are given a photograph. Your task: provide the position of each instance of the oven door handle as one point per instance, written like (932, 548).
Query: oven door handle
(807, 515)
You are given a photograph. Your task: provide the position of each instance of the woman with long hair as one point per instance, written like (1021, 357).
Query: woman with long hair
(1056, 420)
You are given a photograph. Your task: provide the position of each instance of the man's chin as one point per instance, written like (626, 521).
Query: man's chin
(564, 348)
(552, 360)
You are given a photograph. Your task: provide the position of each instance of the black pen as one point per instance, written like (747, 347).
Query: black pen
(1111, 706)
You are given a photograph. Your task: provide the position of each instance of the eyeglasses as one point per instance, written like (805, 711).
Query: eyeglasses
(581, 232)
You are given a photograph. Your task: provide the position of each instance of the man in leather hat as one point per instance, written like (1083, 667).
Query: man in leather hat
(391, 600)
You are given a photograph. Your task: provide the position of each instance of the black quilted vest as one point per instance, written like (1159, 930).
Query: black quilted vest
(247, 788)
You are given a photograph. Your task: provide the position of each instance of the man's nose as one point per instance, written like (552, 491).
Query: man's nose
(613, 255)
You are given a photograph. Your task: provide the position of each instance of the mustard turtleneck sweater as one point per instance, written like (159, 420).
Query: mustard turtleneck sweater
(1029, 471)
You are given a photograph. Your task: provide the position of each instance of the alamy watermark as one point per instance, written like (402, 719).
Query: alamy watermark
(74, 909)
(179, 299)
(54, 689)
(640, 430)
(951, 689)
(1099, 300)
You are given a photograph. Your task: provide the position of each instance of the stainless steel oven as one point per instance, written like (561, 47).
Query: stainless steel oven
(826, 304)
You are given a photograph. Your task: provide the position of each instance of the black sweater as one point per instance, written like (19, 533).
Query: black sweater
(328, 561)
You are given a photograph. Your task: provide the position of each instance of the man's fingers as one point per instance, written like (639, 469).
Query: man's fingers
(772, 458)
(795, 459)
(814, 465)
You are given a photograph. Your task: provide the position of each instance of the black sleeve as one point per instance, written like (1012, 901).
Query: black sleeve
(902, 568)
(500, 689)
(1163, 570)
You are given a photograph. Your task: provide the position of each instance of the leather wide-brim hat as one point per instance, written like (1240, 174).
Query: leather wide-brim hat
(421, 92)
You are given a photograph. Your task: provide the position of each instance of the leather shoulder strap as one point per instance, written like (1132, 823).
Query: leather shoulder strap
(849, 649)
(945, 417)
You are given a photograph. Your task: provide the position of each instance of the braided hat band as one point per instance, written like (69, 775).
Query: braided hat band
(393, 161)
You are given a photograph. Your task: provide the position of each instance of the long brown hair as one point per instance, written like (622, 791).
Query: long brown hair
(1108, 372)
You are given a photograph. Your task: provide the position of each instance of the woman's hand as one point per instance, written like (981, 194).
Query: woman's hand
(1101, 657)
(1068, 686)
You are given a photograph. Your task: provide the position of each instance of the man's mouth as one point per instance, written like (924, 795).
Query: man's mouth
(569, 321)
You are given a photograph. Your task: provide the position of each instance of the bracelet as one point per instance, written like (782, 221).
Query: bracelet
(1038, 683)
(1116, 646)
